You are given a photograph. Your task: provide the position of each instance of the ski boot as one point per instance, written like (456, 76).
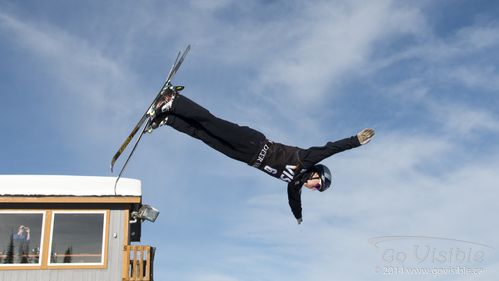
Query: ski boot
(158, 113)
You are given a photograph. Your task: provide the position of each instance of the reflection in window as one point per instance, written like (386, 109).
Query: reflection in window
(77, 238)
(20, 237)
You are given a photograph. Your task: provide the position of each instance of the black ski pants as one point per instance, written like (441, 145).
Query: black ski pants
(238, 142)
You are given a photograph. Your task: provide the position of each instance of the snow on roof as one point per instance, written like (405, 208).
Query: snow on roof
(48, 185)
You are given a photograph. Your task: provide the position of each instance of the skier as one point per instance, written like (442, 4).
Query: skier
(296, 166)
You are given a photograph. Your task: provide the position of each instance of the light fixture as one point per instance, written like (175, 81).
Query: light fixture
(146, 212)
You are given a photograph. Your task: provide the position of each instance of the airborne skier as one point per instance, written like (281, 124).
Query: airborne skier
(296, 166)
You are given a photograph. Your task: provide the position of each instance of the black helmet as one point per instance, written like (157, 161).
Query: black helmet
(325, 175)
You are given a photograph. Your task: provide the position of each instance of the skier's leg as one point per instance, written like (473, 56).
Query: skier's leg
(195, 130)
(241, 138)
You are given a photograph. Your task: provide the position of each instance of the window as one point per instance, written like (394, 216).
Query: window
(50, 239)
(21, 236)
(78, 238)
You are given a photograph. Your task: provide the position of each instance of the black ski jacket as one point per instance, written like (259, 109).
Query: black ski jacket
(292, 164)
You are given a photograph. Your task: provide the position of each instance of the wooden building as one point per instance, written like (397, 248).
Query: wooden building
(59, 228)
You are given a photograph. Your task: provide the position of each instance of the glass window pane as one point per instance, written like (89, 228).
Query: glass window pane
(77, 238)
(20, 238)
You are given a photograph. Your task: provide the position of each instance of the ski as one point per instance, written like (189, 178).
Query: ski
(148, 115)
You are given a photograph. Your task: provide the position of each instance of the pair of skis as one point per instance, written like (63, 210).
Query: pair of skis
(147, 116)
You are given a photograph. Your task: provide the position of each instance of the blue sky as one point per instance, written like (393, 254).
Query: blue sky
(77, 75)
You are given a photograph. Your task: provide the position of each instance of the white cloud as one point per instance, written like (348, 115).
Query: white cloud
(210, 5)
(479, 37)
(329, 41)
(464, 120)
(455, 118)
(477, 77)
(92, 83)
(465, 55)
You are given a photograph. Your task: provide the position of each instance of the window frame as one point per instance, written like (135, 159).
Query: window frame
(105, 238)
(21, 266)
(46, 240)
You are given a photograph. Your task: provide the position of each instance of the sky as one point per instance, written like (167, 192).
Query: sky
(77, 75)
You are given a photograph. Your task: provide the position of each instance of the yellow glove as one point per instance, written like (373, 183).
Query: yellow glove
(365, 136)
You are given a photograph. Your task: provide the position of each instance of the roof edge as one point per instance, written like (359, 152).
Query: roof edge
(68, 185)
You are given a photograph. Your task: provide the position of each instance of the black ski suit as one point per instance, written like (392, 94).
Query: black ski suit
(288, 163)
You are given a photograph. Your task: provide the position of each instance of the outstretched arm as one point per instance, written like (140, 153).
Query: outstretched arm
(294, 199)
(316, 154)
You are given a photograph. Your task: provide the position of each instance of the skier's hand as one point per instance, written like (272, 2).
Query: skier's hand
(365, 136)
(299, 221)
